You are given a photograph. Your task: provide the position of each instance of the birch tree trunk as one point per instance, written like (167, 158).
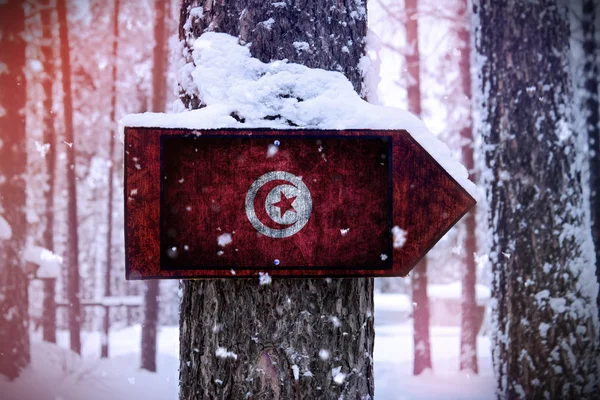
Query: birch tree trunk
(159, 89)
(545, 314)
(290, 336)
(418, 277)
(14, 318)
(73, 294)
(468, 306)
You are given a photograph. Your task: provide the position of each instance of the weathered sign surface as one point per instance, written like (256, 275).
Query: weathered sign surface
(233, 203)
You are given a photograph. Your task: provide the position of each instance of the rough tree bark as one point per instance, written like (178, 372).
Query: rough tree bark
(73, 237)
(110, 173)
(159, 98)
(420, 300)
(48, 61)
(545, 314)
(592, 117)
(302, 327)
(14, 318)
(418, 277)
(468, 305)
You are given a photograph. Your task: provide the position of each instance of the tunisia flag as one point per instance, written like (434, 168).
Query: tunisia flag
(218, 203)
(275, 202)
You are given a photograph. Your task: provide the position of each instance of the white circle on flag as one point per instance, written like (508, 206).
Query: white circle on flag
(288, 204)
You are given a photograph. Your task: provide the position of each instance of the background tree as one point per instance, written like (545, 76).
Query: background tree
(418, 277)
(110, 172)
(14, 319)
(545, 315)
(469, 326)
(47, 11)
(159, 88)
(267, 313)
(72, 222)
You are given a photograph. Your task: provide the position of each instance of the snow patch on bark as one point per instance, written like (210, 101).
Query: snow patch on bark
(338, 376)
(370, 67)
(222, 352)
(267, 24)
(301, 46)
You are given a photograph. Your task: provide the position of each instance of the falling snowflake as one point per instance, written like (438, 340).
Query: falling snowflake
(224, 239)
(399, 237)
(264, 278)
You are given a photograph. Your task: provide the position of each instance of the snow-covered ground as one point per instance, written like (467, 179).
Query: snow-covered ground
(57, 374)
(393, 367)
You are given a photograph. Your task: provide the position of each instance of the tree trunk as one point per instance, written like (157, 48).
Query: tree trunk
(289, 337)
(150, 325)
(73, 238)
(468, 305)
(110, 173)
(160, 55)
(49, 310)
(159, 88)
(545, 313)
(422, 348)
(47, 49)
(421, 341)
(14, 318)
(592, 120)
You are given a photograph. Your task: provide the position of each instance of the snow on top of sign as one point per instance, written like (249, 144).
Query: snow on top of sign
(242, 92)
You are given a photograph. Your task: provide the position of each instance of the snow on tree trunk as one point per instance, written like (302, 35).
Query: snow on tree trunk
(159, 88)
(592, 114)
(468, 305)
(292, 338)
(545, 316)
(73, 238)
(14, 319)
(422, 348)
(48, 61)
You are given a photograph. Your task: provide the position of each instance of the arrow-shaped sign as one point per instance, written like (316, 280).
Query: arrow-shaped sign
(233, 203)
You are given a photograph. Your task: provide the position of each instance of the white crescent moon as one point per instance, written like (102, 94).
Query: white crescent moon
(302, 204)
